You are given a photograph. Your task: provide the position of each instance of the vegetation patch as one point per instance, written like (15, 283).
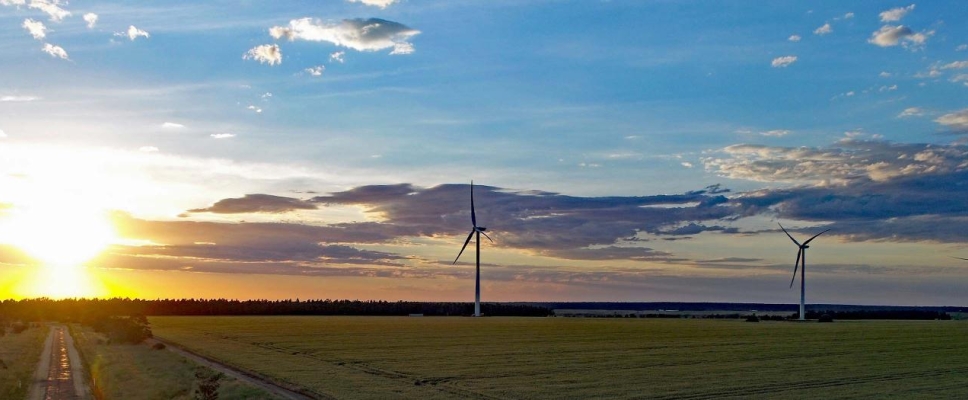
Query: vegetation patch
(20, 351)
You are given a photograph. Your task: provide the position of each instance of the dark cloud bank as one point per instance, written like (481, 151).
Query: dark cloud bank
(863, 190)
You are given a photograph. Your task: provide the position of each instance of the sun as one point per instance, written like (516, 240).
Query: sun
(58, 237)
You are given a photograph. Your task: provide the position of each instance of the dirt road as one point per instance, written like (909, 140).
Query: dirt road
(59, 374)
(270, 387)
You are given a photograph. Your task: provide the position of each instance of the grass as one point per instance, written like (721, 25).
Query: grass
(373, 357)
(125, 371)
(20, 353)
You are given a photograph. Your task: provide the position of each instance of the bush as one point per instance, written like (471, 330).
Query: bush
(826, 318)
(752, 318)
(18, 327)
(207, 384)
(132, 330)
(158, 346)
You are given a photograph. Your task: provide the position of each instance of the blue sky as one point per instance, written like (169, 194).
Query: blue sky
(850, 116)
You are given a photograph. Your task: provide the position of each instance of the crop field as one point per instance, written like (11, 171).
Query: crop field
(388, 357)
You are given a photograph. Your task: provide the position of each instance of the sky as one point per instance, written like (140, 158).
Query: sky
(620, 150)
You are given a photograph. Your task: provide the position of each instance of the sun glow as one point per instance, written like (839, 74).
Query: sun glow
(60, 240)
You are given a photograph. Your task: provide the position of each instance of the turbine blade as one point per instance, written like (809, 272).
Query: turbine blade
(485, 235)
(815, 236)
(966, 259)
(788, 234)
(795, 266)
(473, 215)
(465, 246)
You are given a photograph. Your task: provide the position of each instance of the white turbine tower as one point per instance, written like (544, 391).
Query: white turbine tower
(801, 257)
(475, 230)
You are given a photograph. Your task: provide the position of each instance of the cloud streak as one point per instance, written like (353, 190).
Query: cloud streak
(371, 34)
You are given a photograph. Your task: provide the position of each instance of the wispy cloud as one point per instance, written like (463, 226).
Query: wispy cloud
(17, 99)
(3, 134)
(266, 53)
(956, 65)
(148, 149)
(35, 28)
(315, 71)
(783, 62)
(55, 51)
(371, 34)
(957, 120)
(254, 109)
(889, 36)
(91, 19)
(337, 57)
(823, 30)
(911, 112)
(375, 3)
(172, 125)
(895, 14)
(222, 135)
(776, 133)
(51, 8)
(794, 38)
(133, 33)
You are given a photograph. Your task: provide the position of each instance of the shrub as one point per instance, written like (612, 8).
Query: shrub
(752, 318)
(18, 327)
(132, 330)
(207, 384)
(826, 318)
(158, 346)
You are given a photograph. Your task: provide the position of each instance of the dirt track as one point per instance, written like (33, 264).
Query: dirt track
(237, 374)
(59, 374)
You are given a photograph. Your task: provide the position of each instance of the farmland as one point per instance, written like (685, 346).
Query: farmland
(19, 352)
(371, 357)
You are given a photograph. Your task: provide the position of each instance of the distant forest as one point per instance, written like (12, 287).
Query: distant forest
(87, 309)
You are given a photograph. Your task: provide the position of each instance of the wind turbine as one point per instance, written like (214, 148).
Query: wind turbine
(475, 230)
(801, 258)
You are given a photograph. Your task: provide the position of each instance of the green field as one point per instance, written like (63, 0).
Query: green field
(19, 353)
(136, 371)
(386, 357)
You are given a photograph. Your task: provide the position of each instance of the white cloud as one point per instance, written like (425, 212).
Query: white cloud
(17, 99)
(911, 112)
(267, 53)
(91, 19)
(316, 71)
(782, 62)
(223, 135)
(955, 65)
(686, 164)
(957, 120)
(51, 7)
(849, 15)
(55, 51)
(823, 30)
(884, 74)
(850, 93)
(35, 28)
(895, 14)
(148, 149)
(266, 95)
(962, 47)
(337, 56)
(794, 38)
(887, 88)
(776, 133)
(254, 108)
(375, 3)
(12, 2)
(358, 34)
(172, 125)
(133, 33)
(963, 78)
(889, 36)
(934, 72)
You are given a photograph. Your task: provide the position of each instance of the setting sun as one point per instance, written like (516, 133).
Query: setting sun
(60, 238)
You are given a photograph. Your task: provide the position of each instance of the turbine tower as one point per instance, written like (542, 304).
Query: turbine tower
(801, 260)
(475, 230)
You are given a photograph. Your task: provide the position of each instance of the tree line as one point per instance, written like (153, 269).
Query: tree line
(82, 310)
